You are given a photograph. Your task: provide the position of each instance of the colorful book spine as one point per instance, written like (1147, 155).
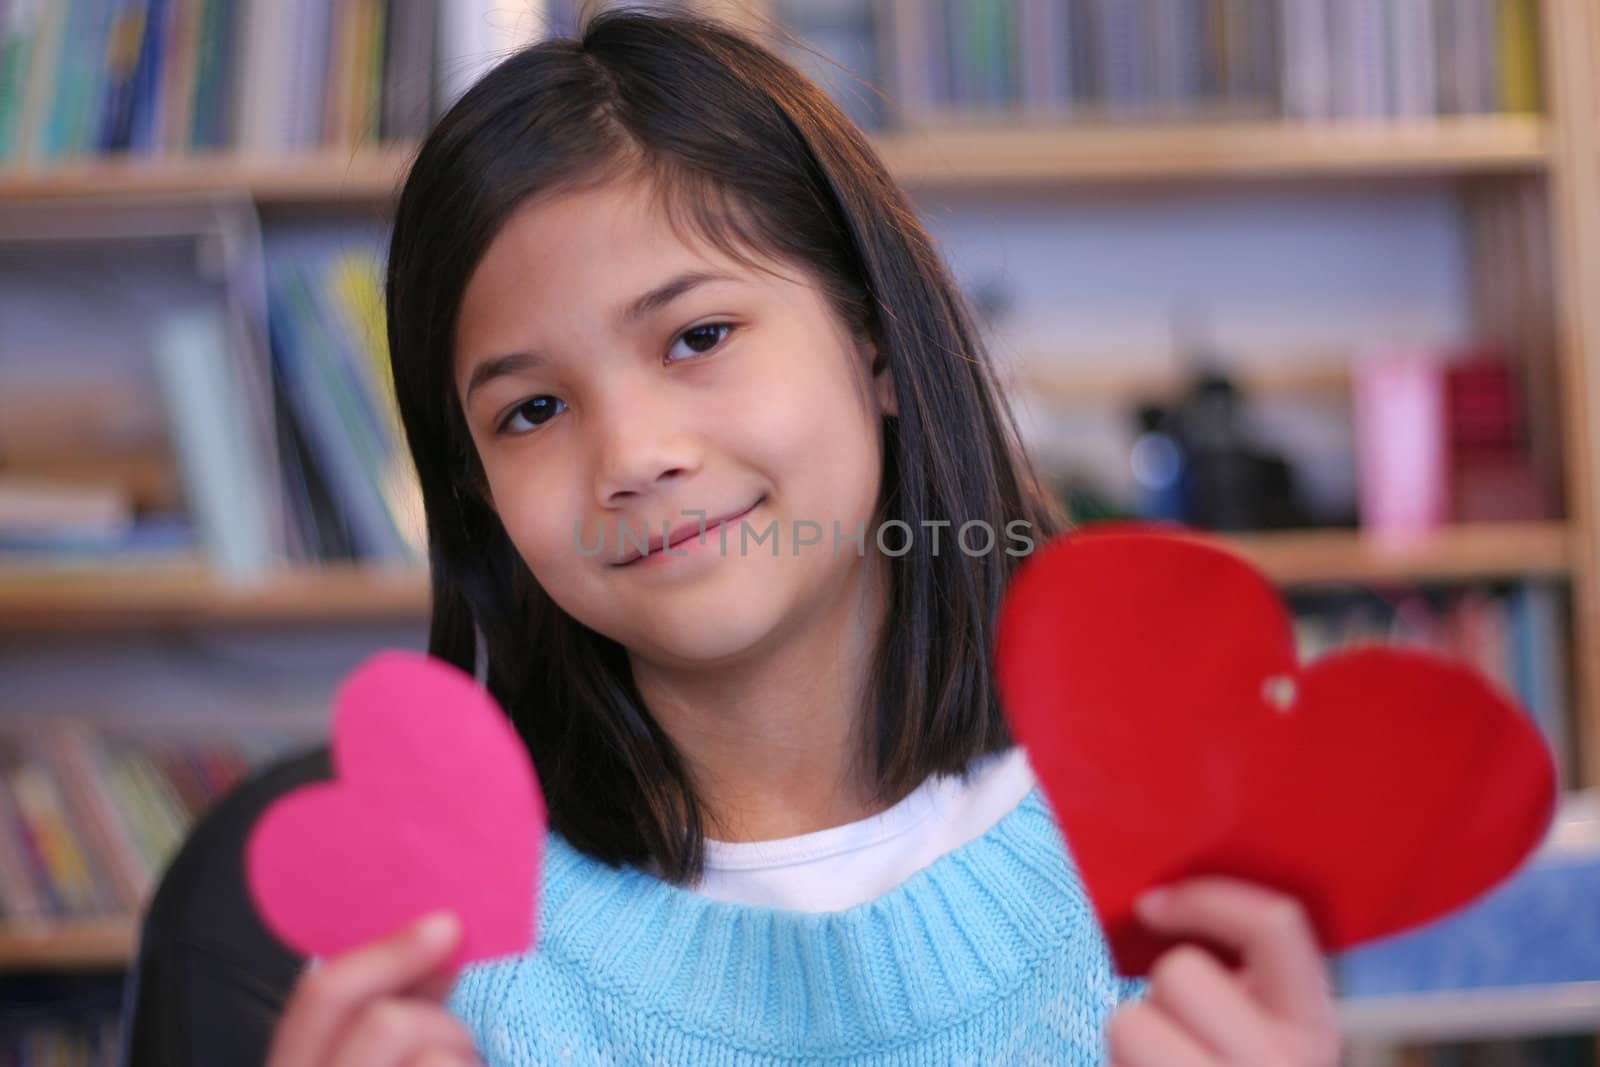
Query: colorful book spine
(324, 395)
(1517, 44)
(75, 880)
(89, 819)
(64, 749)
(20, 899)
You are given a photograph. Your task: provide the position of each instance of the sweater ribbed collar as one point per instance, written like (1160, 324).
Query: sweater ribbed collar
(958, 935)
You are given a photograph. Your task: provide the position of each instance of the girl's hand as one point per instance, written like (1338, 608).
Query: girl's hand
(1276, 1009)
(378, 1005)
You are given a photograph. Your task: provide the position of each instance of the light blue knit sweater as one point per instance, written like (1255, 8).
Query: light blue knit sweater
(989, 955)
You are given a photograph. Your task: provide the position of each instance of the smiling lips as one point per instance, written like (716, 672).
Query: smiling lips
(683, 532)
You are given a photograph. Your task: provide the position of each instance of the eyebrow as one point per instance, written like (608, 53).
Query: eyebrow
(664, 294)
(654, 300)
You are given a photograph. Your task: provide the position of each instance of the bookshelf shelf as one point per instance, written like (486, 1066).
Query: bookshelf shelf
(187, 594)
(99, 944)
(1467, 552)
(1485, 1014)
(1316, 375)
(997, 156)
(951, 156)
(334, 176)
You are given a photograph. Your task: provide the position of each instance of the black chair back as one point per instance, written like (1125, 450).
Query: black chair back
(208, 981)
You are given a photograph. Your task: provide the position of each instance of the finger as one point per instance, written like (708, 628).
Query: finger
(1142, 1035)
(327, 997)
(391, 1031)
(1269, 928)
(1204, 998)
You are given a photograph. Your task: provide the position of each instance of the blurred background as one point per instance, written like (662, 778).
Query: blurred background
(1318, 277)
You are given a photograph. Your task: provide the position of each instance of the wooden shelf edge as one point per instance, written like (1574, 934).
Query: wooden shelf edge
(1476, 1014)
(953, 156)
(996, 155)
(85, 944)
(1324, 377)
(1468, 552)
(353, 175)
(189, 594)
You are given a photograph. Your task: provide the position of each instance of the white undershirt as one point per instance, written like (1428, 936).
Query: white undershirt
(842, 866)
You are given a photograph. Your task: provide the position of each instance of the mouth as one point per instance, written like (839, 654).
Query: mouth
(687, 532)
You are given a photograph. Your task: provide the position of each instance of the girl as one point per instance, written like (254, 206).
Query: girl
(708, 444)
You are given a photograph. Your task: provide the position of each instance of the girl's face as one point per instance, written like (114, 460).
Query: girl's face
(616, 376)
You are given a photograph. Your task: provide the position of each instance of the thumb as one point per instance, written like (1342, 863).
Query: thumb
(403, 960)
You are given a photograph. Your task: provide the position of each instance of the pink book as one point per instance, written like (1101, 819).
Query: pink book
(1402, 471)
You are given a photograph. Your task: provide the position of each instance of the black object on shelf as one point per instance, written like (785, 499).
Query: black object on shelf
(1231, 482)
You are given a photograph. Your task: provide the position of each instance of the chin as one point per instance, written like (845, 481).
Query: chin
(687, 632)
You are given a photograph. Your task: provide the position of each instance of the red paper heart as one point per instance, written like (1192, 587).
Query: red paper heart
(1153, 680)
(435, 806)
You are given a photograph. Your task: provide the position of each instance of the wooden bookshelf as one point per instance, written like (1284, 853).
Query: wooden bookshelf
(1561, 154)
(949, 157)
(81, 945)
(190, 595)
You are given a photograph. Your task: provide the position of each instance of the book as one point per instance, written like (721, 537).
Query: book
(40, 505)
(407, 92)
(1305, 36)
(1517, 56)
(1537, 928)
(198, 368)
(1399, 418)
(325, 393)
(835, 44)
(61, 1020)
(1411, 59)
(1540, 650)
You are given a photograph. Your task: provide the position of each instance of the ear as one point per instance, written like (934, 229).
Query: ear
(882, 381)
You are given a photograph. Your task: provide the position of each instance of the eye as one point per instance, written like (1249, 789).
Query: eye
(702, 339)
(536, 410)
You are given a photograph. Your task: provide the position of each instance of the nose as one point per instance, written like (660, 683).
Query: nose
(640, 445)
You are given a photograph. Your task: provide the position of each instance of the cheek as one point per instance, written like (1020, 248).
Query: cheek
(826, 443)
(535, 507)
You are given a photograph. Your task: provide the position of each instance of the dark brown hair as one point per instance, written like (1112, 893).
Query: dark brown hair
(755, 157)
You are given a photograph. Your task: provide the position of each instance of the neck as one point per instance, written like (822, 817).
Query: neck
(778, 742)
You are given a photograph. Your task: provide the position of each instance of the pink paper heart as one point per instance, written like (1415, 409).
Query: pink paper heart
(435, 805)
